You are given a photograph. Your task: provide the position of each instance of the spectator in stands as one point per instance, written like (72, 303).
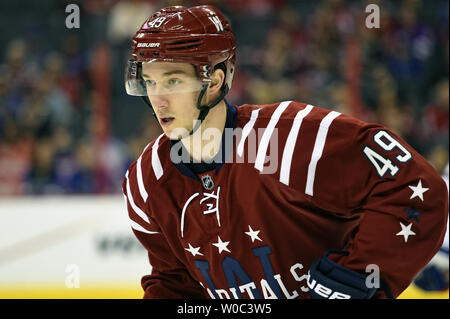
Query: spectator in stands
(46, 94)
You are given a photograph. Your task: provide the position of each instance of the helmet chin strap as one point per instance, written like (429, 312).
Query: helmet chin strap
(204, 110)
(147, 101)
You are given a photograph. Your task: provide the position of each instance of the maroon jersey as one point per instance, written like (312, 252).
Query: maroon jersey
(298, 181)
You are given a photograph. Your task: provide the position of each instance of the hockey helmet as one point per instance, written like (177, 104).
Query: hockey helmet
(200, 35)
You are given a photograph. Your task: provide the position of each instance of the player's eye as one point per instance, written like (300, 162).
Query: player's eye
(150, 83)
(172, 82)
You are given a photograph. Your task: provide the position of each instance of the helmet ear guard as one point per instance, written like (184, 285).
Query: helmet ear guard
(229, 74)
(228, 70)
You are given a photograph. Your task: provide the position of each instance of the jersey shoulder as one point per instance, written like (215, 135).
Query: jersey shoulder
(309, 145)
(286, 109)
(281, 113)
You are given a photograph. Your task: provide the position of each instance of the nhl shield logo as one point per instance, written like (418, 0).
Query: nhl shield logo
(207, 182)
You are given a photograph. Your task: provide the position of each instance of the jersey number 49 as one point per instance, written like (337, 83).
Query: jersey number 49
(387, 143)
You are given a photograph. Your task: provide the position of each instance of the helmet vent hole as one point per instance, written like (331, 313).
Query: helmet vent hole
(184, 45)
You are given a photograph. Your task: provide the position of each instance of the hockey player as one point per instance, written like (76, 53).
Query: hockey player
(286, 200)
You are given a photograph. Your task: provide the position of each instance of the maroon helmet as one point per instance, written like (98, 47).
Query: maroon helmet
(200, 36)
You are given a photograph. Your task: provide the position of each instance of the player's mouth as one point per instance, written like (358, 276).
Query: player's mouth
(166, 121)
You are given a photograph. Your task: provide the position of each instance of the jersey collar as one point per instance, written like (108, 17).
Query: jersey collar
(192, 169)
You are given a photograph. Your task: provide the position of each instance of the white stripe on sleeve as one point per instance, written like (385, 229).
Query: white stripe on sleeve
(156, 163)
(138, 227)
(136, 209)
(318, 149)
(135, 225)
(290, 144)
(262, 149)
(140, 180)
(246, 131)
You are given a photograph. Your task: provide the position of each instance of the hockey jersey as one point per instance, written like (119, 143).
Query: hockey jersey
(297, 180)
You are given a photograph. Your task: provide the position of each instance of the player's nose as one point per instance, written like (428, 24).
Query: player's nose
(159, 102)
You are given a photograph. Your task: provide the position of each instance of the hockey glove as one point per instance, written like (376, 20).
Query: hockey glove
(329, 280)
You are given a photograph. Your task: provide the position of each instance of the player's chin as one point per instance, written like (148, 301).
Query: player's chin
(176, 133)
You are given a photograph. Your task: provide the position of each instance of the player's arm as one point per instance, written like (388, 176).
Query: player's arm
(368, 171)
(169, 279)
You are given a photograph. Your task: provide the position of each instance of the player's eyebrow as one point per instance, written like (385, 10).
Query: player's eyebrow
(174, 72)
(169, 73)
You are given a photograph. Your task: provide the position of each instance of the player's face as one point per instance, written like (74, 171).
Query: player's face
(173, 90)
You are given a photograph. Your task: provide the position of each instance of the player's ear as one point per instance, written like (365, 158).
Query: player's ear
(217, 79)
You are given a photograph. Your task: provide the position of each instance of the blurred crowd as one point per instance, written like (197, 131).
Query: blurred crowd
(319, 52)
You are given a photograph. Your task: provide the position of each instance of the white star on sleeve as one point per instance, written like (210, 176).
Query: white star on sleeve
(406, 231)
(418, 190)
(222, 245)
(194, 251)
(253, 234)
